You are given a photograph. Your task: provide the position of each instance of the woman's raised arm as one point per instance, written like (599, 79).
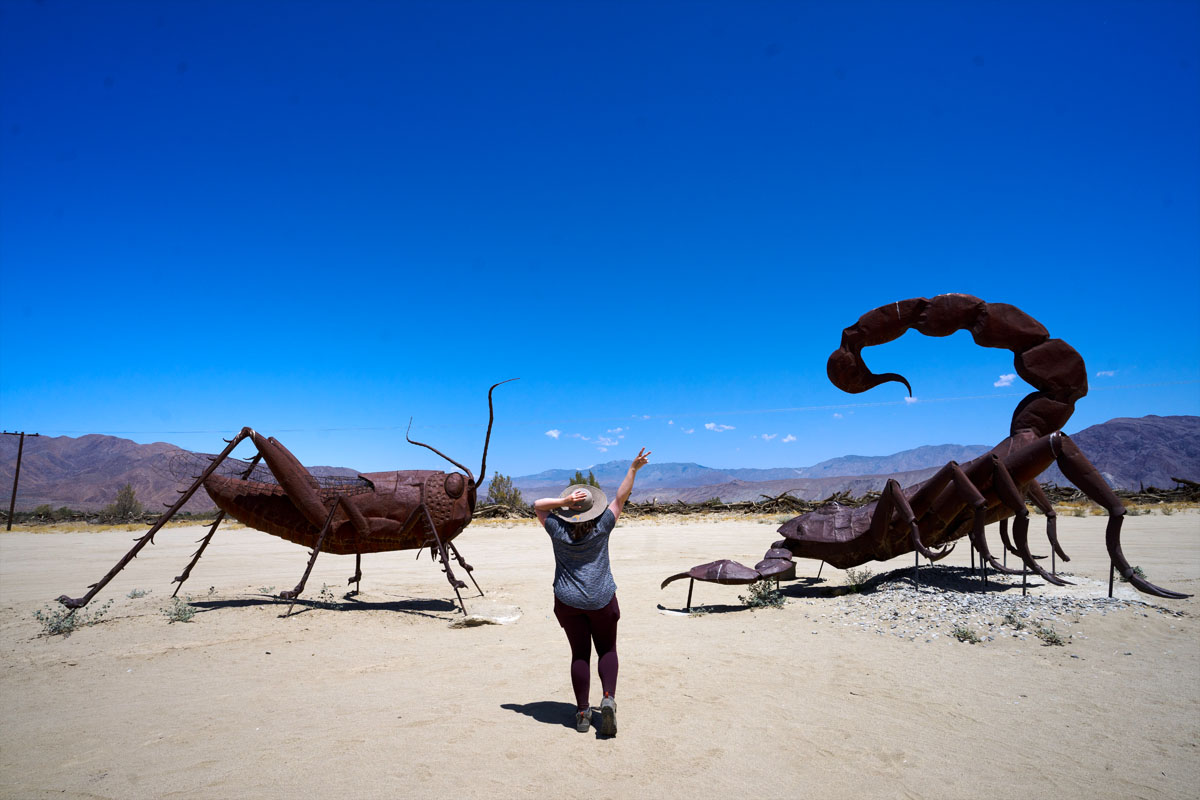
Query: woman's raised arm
(626, 487)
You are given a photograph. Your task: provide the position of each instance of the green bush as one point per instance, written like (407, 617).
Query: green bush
(856, 579)
(1049, 636)
(763, 594)
(590, 480)
(126, 505)
(179, 611)
(502, 491)
(60, 621)
(965, 634)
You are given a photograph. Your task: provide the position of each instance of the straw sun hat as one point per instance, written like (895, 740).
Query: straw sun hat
(591, 508)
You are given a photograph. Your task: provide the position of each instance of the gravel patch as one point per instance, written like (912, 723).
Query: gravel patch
(950, 602)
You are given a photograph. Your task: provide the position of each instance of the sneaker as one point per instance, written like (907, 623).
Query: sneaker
(608, 716)
(583, 720)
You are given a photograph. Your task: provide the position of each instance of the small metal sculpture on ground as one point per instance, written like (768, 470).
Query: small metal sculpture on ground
(959, 500)
(370, 513)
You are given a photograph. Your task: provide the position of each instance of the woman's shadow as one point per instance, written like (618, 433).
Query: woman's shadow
(551, 712)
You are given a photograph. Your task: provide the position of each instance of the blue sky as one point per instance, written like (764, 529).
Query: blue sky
(321, 218)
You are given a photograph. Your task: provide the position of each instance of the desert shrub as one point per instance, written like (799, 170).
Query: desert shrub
(60, 621)
(590, 480)
(126, 505)
(179, 611)
(43, 510)
(134, 594)
(857, 578)
(1012, 619)
(763, 594)
(1049, 636)
(502, 491)
(965, 634)
(325, 598)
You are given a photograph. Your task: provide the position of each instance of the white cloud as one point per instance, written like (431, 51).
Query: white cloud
(1106, 373)
(837, 415)
(605, 441)
(1005, 380)
(789, 438)
(554, 433)
(615, 430)
(602, 449)
(713, 426)
(688, 430)
(641, 416)
(769, 436)
(911, 400)
(670, 422)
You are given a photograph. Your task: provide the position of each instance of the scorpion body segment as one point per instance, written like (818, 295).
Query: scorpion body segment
(959, 500)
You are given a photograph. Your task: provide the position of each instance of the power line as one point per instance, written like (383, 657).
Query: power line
(638, 417)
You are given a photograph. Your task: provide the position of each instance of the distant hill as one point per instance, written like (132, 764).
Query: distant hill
(1128, 452)
(86, 472)
(1132, 452)
(687, 475)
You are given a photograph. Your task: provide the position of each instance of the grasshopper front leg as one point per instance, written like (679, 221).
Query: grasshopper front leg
(74, 603)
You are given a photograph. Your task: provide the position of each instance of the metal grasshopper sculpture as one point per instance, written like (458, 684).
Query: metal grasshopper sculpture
(371, 513)
(959, 500)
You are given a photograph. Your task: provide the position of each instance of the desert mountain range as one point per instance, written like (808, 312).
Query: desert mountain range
(86, 472)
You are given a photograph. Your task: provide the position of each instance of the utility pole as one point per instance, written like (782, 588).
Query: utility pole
(17, 475)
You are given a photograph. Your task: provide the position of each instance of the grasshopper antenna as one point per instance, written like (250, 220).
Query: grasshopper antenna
(439, 452)
(488, 438)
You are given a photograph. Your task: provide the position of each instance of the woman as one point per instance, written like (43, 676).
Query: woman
(585, 595)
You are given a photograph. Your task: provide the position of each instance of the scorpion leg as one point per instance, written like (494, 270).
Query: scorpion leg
(1040, 500)
(1010, 495)
(148, 537)
(208, 537)
(883, 512)
(966, 491)
(971, 494)
(1079, 471)
(1008, 545)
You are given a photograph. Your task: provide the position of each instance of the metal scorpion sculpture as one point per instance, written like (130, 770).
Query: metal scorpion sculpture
(370, 513)
(959, 500)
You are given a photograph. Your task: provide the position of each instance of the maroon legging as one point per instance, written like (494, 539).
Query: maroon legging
(582, 627)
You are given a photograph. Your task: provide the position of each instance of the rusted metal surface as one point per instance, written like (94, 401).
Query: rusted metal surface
(959, 500)
(369, 513)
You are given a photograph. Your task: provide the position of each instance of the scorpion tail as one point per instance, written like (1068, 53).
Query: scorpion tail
(1051, 366)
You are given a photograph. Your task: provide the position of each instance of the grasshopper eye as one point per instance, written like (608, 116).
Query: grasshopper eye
(455, 485)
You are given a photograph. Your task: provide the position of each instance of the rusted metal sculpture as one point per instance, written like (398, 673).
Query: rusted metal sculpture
(959, 500)
(370, 513)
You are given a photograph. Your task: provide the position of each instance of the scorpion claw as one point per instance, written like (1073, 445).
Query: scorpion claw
(723, 571)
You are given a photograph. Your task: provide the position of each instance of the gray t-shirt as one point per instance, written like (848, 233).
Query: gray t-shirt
(582, 576)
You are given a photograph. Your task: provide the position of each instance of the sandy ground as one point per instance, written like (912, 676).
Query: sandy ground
(378, 696)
